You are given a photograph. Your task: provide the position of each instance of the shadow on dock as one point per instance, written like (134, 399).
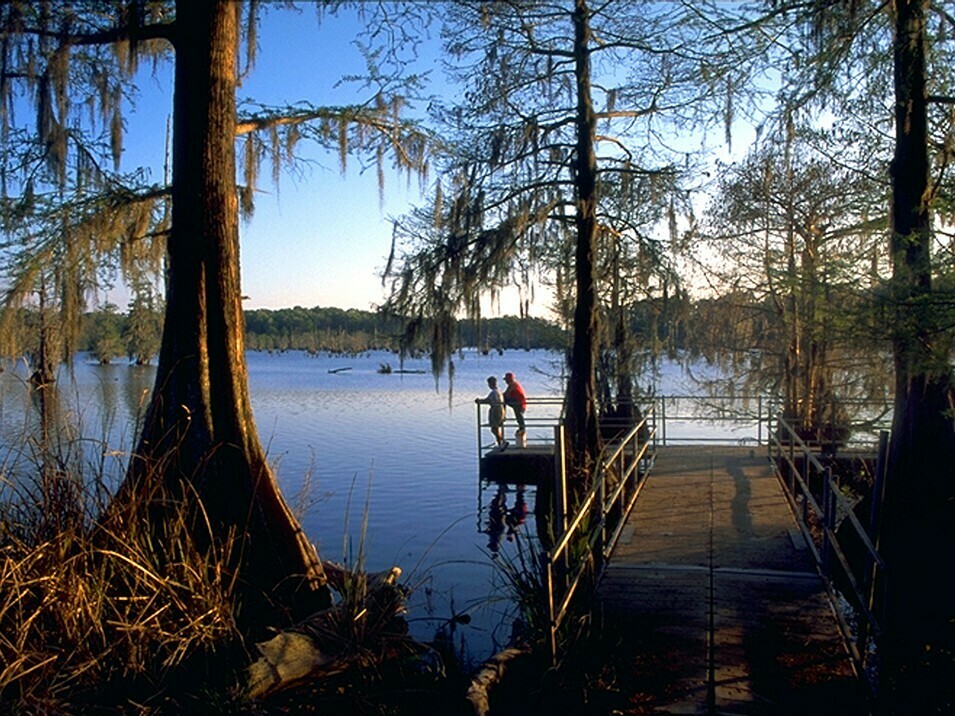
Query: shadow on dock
(711, 600)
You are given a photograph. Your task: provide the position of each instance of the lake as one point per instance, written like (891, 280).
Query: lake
(380, 465)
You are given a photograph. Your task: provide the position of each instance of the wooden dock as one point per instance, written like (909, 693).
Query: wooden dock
(518, 465)
(711, 599)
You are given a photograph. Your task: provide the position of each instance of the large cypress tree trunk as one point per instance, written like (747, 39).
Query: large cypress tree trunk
(581, 415)
(199, 441)
(920, 519)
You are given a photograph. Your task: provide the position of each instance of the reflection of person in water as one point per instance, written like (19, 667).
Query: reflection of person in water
(517, 514)
(500, 517)
(495, 520)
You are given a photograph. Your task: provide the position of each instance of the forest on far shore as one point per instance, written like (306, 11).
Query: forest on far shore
(725, 330)
(111, 336)
(352, 331)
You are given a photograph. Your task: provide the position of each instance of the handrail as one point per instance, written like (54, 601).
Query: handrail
(630, 480)
(600, 516)
(818, 526)
(683, 417)
(626, 470)
(710, 403)
(545, 419)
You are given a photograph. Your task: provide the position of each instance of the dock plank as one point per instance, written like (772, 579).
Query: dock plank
(715, 602)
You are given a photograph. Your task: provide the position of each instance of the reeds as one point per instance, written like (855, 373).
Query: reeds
(524, 578)
(129, 607)
(86, 610)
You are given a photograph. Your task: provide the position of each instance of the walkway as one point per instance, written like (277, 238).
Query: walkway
(713, 600)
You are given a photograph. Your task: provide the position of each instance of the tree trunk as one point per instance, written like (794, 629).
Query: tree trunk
(199, 439)
(916, 651)
(581, 415)
(623, 349)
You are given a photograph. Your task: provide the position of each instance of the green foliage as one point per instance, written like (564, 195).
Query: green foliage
(106, 327)
(351, 331)
(143, 331)
(107, 334)
(68, 217)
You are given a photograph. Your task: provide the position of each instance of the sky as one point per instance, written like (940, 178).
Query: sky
(320, 239)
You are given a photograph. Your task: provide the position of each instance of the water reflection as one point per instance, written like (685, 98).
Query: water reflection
(393, 459)
(136, 391)
(503, 520)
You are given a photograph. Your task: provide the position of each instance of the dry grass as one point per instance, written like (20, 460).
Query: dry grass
(82, 608)
(128, 614)
(103, 615)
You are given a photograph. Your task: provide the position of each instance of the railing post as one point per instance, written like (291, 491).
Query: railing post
(477, 410)
(875, 529)
(551, 616)
(771, 442)
(654, 409)
(635, 471)
(625, 461)
(663, 418)
(828, 517)
(772, 430)
(602, 515)
(560, 483)
(792, 460)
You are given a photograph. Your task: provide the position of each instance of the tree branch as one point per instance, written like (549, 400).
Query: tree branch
(155, 31)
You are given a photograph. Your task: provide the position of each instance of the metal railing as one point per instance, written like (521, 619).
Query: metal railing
(676, 419)
(702, 419)
(819, 505)
(587, 537)
(542, 415)
(718, 419)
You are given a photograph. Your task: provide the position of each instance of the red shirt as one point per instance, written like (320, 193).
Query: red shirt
(515, 394)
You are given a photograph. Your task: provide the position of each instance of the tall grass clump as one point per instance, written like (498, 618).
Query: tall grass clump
(91, 615)
(127, 605)
(358, 657)
(367, 626)
(525, 583)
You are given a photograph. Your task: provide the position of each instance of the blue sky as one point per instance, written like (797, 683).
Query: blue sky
(321, 238)
(317, 239)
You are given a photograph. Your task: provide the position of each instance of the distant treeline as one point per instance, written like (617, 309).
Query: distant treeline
(707, 327)
(352, 331)
(108, 334)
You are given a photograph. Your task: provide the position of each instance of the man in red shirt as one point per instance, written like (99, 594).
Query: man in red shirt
(514, 397)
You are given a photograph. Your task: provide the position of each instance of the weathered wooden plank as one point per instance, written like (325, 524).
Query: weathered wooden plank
(659, 620)
(717, 604)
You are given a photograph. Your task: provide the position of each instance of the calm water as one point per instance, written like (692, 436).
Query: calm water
(399, 450)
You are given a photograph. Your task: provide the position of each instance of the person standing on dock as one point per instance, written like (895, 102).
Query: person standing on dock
(515, 397)
(495, 413)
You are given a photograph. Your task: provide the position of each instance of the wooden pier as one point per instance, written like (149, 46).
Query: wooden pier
(519, 465)
(712, 598)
